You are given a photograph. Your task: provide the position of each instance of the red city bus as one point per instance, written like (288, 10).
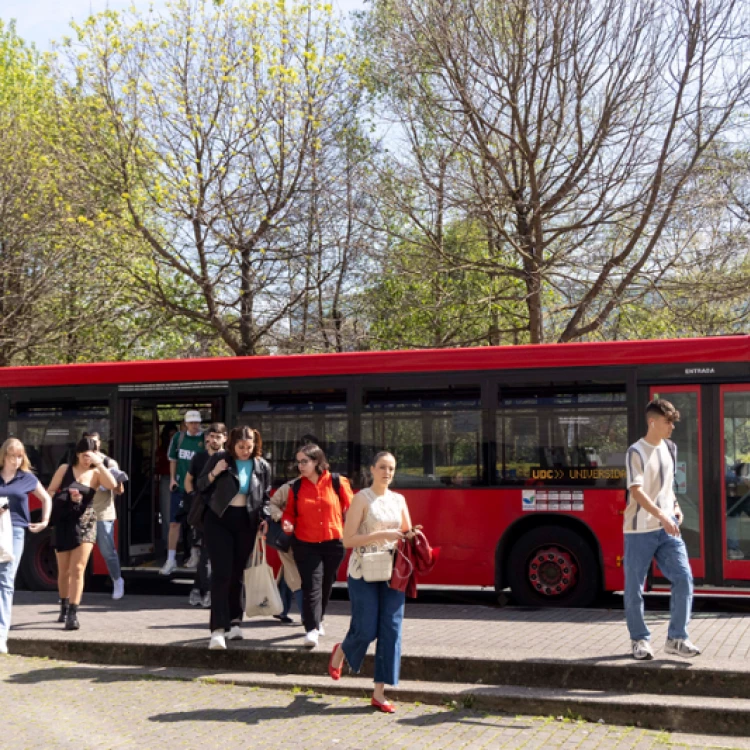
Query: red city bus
(511, 457)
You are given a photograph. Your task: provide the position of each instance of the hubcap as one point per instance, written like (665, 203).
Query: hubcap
(553, 571)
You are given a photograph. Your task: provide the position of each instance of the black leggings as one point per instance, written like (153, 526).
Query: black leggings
(318, 564)
(230, 540)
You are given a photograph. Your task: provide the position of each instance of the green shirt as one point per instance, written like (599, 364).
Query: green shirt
(189, 445)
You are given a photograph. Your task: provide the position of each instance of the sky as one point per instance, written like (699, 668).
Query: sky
(40, 21)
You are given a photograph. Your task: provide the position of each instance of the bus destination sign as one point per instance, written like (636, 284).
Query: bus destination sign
(577, 473)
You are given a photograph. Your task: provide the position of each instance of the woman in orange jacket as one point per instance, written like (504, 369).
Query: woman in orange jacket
(315, 514)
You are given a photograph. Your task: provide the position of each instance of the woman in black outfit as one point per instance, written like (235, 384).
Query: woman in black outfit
(73, 488)
(239, 481)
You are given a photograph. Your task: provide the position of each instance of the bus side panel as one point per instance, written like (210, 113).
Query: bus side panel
(467, 525)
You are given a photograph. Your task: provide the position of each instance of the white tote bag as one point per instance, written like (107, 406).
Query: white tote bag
(262, 598)
(6, 537)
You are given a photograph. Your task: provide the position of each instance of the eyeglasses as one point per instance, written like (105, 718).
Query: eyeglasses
(304, 461)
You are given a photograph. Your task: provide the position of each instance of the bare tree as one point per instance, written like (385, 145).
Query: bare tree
(220, 116)
(579, 126)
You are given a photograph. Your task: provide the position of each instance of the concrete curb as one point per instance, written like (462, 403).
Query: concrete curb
(655, 677)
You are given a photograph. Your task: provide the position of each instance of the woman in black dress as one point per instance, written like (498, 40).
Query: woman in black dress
(73, 488)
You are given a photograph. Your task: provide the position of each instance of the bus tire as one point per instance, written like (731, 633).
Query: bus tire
(553, 566)
(38, 562)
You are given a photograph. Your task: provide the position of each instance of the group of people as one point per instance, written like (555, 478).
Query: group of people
(227, 473)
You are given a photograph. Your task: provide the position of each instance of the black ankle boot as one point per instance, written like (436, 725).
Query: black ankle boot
(71, 621)
(64, 604)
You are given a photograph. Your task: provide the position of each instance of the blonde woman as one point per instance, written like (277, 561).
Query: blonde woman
(16, 482)
(73, 487)
(378, 518)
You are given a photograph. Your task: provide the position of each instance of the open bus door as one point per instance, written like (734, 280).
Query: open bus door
(148, 424)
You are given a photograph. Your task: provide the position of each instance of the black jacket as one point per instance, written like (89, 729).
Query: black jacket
(220, 492)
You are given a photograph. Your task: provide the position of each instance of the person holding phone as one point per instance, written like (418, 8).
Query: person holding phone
(16, 482)
(73, 488)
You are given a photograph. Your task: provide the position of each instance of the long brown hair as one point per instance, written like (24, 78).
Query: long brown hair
(18, 445)
(243, 432)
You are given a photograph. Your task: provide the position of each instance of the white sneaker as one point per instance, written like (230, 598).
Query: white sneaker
(681, 647)
(194, 600)
(642, 649)
(217, 642)
(235, 633)
(194, 559)
(119, 588)
(168, 568)
(321, 629)
(311, 639)
(3, 646)
(735, 554)
(206, 601)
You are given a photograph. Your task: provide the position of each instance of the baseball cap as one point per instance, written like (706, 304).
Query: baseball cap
(192, 416)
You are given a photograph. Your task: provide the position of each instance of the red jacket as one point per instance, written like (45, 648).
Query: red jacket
(412, 556)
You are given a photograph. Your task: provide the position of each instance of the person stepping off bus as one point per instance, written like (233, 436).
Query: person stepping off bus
(183, 447)
(652, 532)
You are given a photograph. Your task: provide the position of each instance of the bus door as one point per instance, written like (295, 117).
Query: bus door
(150, 424)
(734, 432)
(689, 471)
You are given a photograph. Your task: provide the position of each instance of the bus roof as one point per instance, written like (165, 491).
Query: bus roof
(577, 354)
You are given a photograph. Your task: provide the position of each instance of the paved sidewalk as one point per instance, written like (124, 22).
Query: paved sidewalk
(66, 706)
(430, 630)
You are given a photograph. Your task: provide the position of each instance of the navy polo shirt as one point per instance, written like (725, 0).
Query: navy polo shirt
(17, 492)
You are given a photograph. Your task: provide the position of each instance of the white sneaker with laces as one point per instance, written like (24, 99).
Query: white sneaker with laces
(235, 633)
(217, 642)
(642, 649)
(321, 629)
(206, 601)
(168, 568)
(735, 554)
(311, 639)
(681, 647)
(194, 559)
(119, 588)
(194, 600)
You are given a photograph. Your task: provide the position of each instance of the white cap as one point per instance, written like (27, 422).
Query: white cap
(192, 416)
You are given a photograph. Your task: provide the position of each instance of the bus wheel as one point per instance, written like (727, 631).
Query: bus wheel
(38, 563)
(553, 566)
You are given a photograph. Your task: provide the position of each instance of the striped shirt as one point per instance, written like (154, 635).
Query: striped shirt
(652, 468)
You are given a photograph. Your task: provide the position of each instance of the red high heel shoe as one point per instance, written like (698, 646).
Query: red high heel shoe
(335, 673)
(386, 706)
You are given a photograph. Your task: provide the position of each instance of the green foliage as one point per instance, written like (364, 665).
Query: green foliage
(428, 299)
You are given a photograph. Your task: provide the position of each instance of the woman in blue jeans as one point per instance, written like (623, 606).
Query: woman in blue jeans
(16, 482)
(377, 520)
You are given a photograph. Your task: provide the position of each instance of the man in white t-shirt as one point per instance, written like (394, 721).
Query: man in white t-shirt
(652, 531)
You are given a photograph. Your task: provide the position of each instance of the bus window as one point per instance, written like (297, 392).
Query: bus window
(557, 435)
(50, 432)
(737, 473)
(285, 420)
(436, 436)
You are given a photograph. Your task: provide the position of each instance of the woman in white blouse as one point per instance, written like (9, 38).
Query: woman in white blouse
(377, 520)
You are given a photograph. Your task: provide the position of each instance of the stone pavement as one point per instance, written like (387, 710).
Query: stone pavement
(65, 706)
(569, 662)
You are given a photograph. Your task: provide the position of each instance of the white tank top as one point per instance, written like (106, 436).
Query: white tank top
(383, 512)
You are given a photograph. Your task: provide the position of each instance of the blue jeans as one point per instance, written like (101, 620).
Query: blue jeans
(671, 556)
(105, 538)
(7, 580)
(377, 612)
(287, 596)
